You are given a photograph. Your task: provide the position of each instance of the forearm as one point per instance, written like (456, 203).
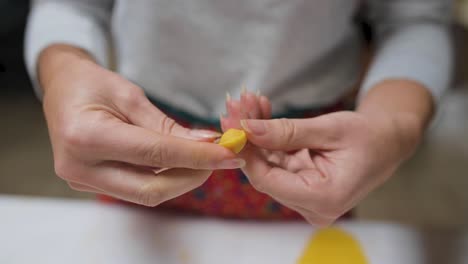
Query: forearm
(413, 42)
(79, 23)
(404, 109)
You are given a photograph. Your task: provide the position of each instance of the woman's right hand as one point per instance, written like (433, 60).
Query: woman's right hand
(108, 138)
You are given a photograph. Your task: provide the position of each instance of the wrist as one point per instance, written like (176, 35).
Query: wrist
(56, 60)
(401, 109)
(401, 133)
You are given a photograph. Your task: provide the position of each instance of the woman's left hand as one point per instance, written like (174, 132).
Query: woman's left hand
(320, 167)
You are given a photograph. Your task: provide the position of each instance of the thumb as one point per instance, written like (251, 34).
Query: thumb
(291, 134)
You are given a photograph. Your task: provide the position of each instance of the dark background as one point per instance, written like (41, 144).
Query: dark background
(26, 166)
(13, 14)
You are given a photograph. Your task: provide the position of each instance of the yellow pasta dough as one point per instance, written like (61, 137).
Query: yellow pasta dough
(233, 139)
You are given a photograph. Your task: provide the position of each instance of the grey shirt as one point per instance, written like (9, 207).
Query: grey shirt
(299, 53)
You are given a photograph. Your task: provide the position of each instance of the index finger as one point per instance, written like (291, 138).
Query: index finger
(139, 146)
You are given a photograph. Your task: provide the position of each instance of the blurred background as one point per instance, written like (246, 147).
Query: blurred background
(430, 191)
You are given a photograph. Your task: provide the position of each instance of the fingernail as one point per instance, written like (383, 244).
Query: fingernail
(230, 164)
(228, 97)
(204, 134)
(255, 127)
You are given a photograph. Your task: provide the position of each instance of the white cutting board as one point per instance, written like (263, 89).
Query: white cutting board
(34, 230)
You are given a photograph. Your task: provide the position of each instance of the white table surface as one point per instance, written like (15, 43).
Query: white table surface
(38, 230)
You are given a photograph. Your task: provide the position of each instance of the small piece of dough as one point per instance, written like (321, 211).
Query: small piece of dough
(233, 139)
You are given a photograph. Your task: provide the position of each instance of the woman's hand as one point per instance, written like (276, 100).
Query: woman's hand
(321, 167)
(108, 138)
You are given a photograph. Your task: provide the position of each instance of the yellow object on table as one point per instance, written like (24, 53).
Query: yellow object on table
(333, 246)
(233, 139)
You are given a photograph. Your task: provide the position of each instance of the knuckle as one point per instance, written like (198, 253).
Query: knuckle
(131, 97)
(150, 195)
(76, 135)
(155, 153)
(198, 159)
(59, 168)
(167, 125)
(318, 220)
(72, 135)
(289, 130)
(66, 170)
(333, 206)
